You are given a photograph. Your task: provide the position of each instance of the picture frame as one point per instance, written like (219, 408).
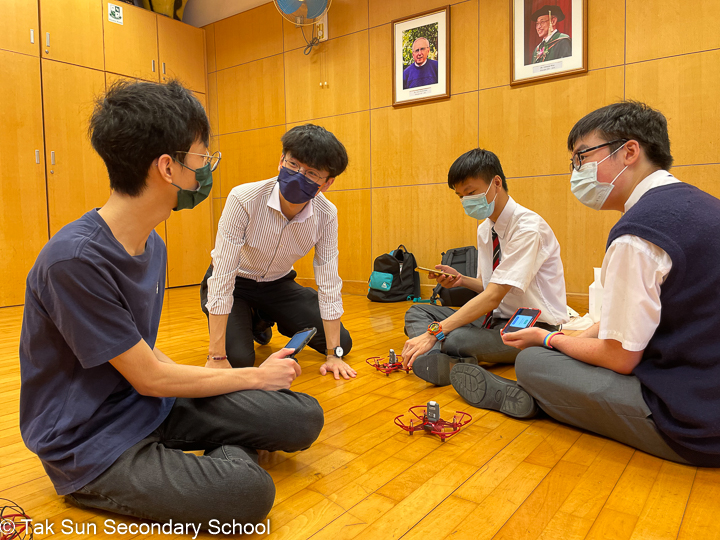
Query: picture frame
(421, 57)
(540, 51)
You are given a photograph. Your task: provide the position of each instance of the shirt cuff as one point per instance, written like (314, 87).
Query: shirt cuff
(331, 311)
(219, 306)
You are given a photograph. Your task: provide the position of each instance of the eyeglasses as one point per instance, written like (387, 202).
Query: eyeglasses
(577, 159)
(294, 168)
(213, 159)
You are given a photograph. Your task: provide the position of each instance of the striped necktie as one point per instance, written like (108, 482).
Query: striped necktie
(496, 261)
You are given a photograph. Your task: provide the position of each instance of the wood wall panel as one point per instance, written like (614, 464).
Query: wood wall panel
(494, 49)
(353, 131)
(581, 232)
(212, 96)
(666, 28)
(217, 173)
(606, 40)
(250, 156)
(78, 181)
(427, 219)
(252, 95)
(76, 32)
(417, 145)
(132, 48)
(248, 36)
(344, 17)
(464, 44)
(527, 127)
(218, 205)
(706, 177)
(685, 90)
(384, 11)
(354, 232)
(210, 47)
(23, 204)
(181, 49)
(342, 63)
(17, 21)
(380, 66)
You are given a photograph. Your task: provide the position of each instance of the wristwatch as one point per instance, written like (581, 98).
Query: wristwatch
(435, 328)
(337, 351)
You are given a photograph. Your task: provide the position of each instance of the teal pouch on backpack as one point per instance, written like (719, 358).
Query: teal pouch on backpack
(380, 281)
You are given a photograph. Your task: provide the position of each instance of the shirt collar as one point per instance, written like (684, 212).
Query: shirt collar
(503, 220)
(550, 36)
(421, 65)
(656, 179)
(274, 203)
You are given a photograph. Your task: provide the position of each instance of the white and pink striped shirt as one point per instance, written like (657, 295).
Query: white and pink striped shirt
(256, 241)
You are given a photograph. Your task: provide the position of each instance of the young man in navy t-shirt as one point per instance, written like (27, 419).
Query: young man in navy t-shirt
(109, 414)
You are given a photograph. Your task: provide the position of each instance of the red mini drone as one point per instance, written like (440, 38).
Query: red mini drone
(394, 363)
(431, 422)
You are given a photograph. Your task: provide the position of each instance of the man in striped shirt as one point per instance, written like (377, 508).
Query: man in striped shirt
(265, 227)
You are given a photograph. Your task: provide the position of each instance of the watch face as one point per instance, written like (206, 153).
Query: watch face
(434, 328)
(339, 352)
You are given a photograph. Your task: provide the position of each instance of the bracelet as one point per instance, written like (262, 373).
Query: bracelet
(216, 357)
(548, 338)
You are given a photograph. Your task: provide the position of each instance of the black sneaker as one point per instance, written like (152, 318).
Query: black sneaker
(434, 367)
(262, 333)
(486, 390)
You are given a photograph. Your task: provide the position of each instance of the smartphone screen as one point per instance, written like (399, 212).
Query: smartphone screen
(299, 340)
(522, 318)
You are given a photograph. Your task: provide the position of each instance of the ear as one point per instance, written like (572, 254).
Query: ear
(165, 169)
(280, 163)
(327, 184)
(632, 152)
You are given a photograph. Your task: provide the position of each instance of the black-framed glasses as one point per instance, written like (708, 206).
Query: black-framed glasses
(295, 168)
(212, 159)
(577, 159)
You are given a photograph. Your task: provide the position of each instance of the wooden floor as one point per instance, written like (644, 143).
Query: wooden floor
(365, 478)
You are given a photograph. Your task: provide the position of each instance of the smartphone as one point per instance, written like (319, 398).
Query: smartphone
(433, 270)
(299, 340)
(522, 318)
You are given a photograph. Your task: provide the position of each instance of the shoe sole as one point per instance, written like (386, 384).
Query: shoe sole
(486, 390)
(435, 368)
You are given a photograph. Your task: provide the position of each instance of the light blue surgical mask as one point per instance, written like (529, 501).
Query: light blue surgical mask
(477, 206)
(586, 187)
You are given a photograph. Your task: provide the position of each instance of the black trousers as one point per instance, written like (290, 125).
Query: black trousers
(292, 306)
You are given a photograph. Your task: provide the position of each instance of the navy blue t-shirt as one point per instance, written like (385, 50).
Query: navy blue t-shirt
(87, 301)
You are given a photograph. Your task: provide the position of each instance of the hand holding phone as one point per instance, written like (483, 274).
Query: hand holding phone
(521, 319)
(434, 271)
(299, 340)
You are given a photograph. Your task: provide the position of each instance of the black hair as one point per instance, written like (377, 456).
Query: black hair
(476, 163)
(136, 122)
(630, 120)
(316, 147)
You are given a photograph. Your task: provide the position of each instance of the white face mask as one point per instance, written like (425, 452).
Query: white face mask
(586, 187)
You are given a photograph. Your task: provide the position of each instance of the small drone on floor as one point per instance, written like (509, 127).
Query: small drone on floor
(394, 363)
(431, 422)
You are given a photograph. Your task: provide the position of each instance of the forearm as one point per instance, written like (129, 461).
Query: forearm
(605, 353)
(218, 327)
(332, 333)
(178, 380)
(162, 356)
(482, 304)
(474, 284)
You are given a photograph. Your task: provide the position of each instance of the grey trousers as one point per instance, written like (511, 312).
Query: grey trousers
(592, 398)
(156, 480)
(484, 344)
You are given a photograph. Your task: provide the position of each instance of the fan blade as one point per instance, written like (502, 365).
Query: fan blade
(289, 7)
(315, 8)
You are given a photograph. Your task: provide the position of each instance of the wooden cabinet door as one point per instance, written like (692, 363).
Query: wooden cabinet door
(189, 240)
(182, 53)
(131, 47)
(72, 32)
(23, 206)
(19, 28)
(77, 180)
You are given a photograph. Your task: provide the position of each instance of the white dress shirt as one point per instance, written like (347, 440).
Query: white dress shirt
(529, 262)
(256, 241)
(632, 272)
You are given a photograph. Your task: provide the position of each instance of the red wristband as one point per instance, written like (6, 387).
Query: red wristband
(216, 357)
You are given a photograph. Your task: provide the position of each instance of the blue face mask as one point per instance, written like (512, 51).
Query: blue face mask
(477, 207)
(296, 188)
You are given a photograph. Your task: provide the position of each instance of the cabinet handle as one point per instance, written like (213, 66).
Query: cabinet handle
(37, 156)
(47, 39)
(32, 36)
(163, 68)
(320, 85)
(153, 66)
(52, 158)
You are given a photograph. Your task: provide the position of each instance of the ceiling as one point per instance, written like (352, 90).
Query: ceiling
(203, 12)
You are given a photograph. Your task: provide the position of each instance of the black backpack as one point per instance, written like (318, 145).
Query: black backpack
(394, 278)
(464, 260)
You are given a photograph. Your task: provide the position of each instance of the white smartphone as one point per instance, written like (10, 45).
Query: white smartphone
(434, 271)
